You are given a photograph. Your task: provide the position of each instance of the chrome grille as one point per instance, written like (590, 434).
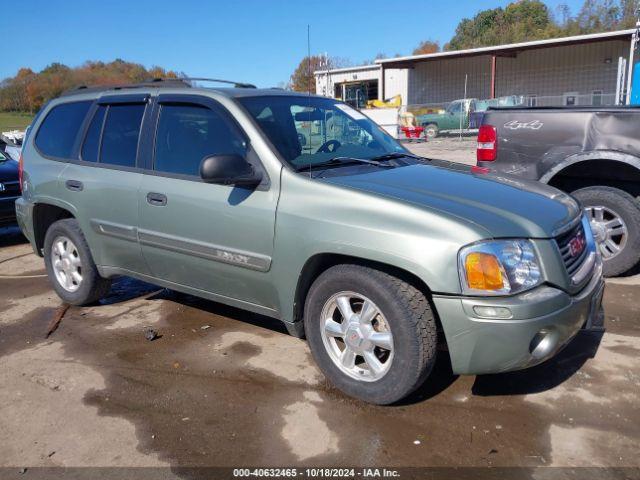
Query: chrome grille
(572, 262)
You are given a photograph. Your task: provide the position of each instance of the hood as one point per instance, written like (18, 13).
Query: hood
(502, 205)
(9, 171)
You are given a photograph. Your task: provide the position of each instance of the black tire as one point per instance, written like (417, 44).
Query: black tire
(628, 209)
(92, 287)
(431, 130)
(409, 317)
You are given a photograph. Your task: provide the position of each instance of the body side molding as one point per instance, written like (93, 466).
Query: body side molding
(124, 232)
(240, 258)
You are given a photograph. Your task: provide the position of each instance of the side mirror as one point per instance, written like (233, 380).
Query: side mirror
(230, 169)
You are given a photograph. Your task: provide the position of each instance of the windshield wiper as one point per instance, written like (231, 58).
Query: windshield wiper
(394, 155)
(340, 161)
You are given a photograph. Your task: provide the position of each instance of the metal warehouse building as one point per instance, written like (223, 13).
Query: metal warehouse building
(581, 70)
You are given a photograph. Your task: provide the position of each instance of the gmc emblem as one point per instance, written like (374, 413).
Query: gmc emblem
(576, 245)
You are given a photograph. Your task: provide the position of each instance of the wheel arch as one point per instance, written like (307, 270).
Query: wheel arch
(597, 168)
(44, 215)
(320, 262)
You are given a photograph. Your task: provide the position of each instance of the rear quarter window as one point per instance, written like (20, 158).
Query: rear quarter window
(59, 130)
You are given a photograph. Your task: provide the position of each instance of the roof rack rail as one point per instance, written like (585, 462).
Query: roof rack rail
(217, 80)
(182, 82)
(153, 83)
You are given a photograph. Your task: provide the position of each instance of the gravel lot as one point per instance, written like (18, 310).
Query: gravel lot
(452, 148)
(223, 387)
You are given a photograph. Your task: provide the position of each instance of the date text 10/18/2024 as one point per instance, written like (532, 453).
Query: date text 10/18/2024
(316, 472)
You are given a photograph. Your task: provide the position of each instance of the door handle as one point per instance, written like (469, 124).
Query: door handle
(74, 185)
(156, 199)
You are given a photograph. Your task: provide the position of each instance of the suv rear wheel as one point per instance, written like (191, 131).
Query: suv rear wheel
(372, 334)
(615, 221)
(70, 266)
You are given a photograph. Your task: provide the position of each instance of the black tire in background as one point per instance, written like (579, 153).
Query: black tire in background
(92, 287)
(431, 130)
(628, 210)
(409, 317)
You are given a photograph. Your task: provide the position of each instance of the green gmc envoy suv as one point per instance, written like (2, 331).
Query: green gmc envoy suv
(380, 258)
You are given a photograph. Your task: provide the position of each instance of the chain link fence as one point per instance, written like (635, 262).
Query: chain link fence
(465, 115)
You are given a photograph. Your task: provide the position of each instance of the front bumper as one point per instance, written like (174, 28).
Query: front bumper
(543, 321)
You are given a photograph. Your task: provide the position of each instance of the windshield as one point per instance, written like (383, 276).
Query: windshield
(312, 130)
(454, 108)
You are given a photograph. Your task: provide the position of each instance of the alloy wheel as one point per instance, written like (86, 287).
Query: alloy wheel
(66, 263)
(357, 336)
(609, 230)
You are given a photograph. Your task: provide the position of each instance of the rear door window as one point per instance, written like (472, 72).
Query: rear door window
(59, 130)
(187, 133)
(120, 134)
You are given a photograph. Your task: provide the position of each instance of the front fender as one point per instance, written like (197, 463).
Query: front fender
(316, 218)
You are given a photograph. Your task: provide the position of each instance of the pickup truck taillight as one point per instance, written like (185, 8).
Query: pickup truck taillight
(487, 143)
(20, 167)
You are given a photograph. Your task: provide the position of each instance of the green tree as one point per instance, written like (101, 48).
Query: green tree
(598, 16)
(628, 13)
(526, 20)
(517, 22)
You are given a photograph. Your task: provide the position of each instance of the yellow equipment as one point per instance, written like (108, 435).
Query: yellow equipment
(393, 102)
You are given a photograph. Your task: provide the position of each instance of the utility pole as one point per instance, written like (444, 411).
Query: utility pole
(327, 68)
(464, 105)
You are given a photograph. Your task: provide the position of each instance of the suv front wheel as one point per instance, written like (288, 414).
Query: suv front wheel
(70, 266)
(372, 334)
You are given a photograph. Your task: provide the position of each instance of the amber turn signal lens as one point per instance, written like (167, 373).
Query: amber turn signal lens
(483, 271)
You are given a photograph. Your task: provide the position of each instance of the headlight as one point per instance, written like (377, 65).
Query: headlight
(498, 267)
